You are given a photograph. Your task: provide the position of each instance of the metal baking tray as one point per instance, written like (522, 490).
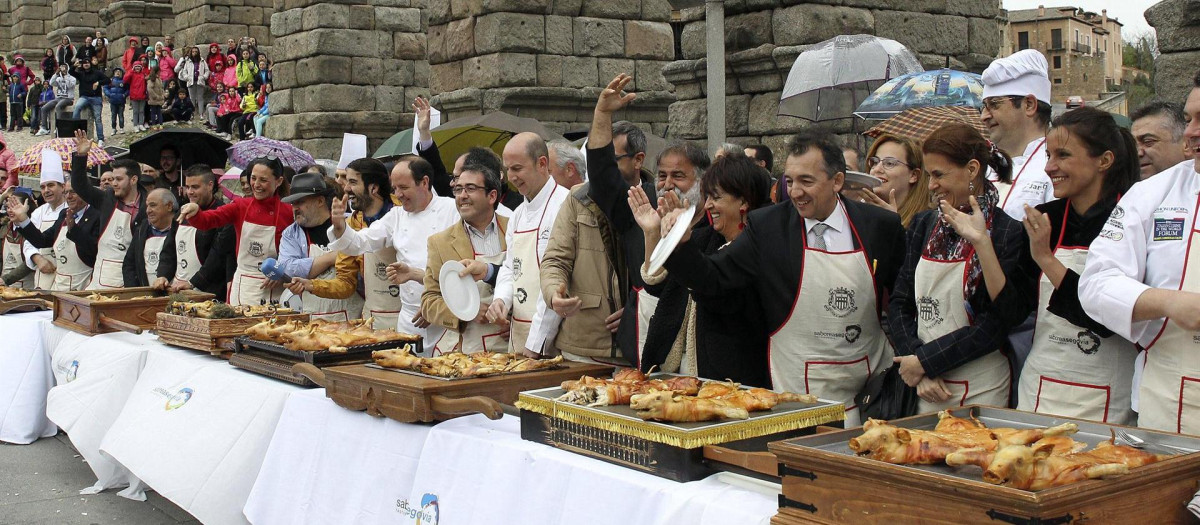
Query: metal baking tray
(440, 378)
(1090, 432)
(321, 357)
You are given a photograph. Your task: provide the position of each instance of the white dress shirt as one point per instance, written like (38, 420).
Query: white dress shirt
(486, 242)
(1143, 246)
(1031, 185)
(42, 213)
(838, 238)
(409, 234)
(538, 213)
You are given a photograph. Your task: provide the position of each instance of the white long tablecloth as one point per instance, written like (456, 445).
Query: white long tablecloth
(25, 377)
(196, 431)
(327, 464)
(477, 471)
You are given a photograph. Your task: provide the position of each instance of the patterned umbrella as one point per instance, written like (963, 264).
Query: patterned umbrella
(30, 161)
(918, 123)
(944, 87)
(243, 152)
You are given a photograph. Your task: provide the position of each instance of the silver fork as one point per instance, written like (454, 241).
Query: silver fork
(1125, 438)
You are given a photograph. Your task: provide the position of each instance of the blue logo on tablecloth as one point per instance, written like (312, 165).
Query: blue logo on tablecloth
(179, 399)
(73, 370)
(427, 513)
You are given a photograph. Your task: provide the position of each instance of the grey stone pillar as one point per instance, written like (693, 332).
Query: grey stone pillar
(76, 19)
(6, 22)
(1177, 23)
(201, 22)
(31, 22)
(348, 66)
(764, 37)
(549, 60)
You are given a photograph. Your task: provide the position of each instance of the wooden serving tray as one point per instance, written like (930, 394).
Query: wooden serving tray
(41, 301)
(410, 398)
(215, 336)
(824, 482)
(75, 312)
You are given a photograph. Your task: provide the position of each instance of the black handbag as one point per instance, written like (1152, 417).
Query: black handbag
(886, 396)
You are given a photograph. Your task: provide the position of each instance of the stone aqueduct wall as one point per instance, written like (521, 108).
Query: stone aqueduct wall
(355, 65)
(1177, 23)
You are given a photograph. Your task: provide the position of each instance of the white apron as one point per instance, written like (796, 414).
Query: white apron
(527, 283)
(1006, 189)
(832, 342)
(1071, 371)
(256, 245)
(646, 305)
(187, 255)
(334, 310)
(45, 281)
(13, 258)
(1169, 396)
(72, 273)
(110, 251)
(477, 337)
(941, 309)
(151, 255)
(382, 299)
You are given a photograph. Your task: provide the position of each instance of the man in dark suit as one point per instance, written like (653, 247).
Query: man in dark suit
(821, 265)
(75, 250)
(149, 241)
(122, 208)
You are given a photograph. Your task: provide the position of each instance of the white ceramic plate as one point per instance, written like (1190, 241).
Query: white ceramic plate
(460, 293)
(856, 180)
(666, 245)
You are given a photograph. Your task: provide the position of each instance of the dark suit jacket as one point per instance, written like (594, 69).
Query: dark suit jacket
(769, 255)
(84, 234)
(217, 249)
(102, 199)
(440, 181)
(134, 267)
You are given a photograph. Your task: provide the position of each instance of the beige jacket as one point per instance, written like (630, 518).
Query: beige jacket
(583, 253)
(451, 244)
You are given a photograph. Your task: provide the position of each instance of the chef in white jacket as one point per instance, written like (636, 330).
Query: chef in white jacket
(53, 182)
(1016, 111)
(1143, 281)
(407, 229)
(518, 283)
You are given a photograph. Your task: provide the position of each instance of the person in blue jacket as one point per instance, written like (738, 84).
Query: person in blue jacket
(117, 93)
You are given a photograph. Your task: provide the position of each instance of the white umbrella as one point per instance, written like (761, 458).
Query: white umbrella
(833, 77)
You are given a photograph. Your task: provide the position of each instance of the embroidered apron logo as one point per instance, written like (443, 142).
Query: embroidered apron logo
(853, 332)
(153, 258)
(521, 295)
(1086, 341)
(381, 271)
(394, 290)
(929, 311)
(516, 267)
(256, 249)
(841, 302)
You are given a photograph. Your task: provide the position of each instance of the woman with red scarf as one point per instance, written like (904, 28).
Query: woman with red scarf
(946, 329)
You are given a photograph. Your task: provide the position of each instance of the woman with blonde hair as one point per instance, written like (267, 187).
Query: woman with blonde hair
(897, 161)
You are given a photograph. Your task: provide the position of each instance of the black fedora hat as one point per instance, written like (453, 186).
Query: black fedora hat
(306, 185)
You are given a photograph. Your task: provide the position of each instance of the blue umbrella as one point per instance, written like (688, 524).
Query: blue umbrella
(943, 87)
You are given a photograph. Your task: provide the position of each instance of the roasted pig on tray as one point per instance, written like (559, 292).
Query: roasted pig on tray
(624, 384)
(1039, 468)
(314, 336)
(667, 406)
(9, 294)
(897, 445)
(457, 364)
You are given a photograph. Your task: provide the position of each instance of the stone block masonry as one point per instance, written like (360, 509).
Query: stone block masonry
(549, 59)
(764, 37)
(1177, 24)
(126, 18)
(349, 66)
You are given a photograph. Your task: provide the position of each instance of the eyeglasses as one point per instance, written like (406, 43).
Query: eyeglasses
(994, 103)
(469, 188)
(888, 163)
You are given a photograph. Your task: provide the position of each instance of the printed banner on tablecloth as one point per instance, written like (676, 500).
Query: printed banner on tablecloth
(197, 436)
(25, 378)
(327, 464)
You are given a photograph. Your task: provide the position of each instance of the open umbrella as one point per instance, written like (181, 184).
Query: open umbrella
(833, 77)
(918, 123)
(31, 160)
(195, 146)
(944, 87)
(490, 131)
(243, 152)
(395, 145)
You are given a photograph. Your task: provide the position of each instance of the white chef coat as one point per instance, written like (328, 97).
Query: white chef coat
(408, 233)
(1138, 249)
(1031, 185)
(838, 238)
(527, 216)
(43, 214)
(503, 211)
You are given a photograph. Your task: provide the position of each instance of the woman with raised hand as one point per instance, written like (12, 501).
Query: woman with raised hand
(947, 330)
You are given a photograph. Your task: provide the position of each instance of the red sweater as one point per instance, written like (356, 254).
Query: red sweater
(267, 212)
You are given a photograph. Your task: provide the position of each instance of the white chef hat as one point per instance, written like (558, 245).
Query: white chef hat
(1022, 73)
(354, 147)
(52, 167)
